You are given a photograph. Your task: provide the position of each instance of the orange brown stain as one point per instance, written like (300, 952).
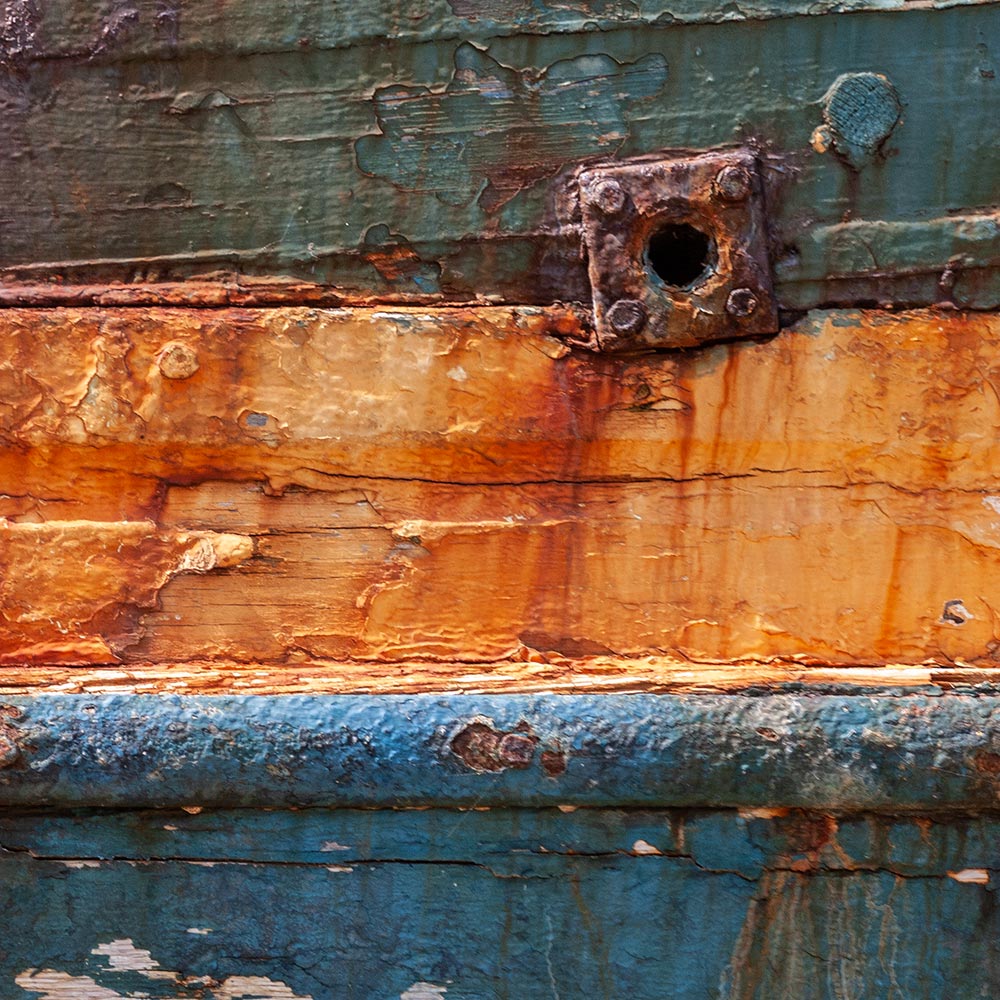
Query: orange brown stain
(814, 499)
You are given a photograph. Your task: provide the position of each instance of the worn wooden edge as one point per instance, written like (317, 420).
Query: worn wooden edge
(536, 674)
(105, 33)
(913, 752)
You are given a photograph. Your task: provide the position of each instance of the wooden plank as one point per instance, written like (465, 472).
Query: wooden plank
(478, 903)
(108, 31)
(748, 842)
(635, 926)
(459, 487)
(528, 672)
(268, 141)
(804, 748)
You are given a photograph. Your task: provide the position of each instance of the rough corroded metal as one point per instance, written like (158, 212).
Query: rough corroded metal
(809, 750)
(677, 250)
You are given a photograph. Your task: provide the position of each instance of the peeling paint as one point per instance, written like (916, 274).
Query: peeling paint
(124, 961)
(518, 125)
(423, 991)
(971, 876)
(433, 502)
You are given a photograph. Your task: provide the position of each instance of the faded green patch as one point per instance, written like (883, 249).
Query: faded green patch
(495, 130)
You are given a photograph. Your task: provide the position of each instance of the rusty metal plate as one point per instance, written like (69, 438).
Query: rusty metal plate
(677, 251)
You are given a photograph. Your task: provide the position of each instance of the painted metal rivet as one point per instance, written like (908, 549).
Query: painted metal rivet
(860, 112)
(733, 183)
(741, 302)
(177, 361)
(627, 317)
(608, 197)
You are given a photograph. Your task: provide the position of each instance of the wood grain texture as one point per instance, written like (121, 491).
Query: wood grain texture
(423, 151)
(460, 487)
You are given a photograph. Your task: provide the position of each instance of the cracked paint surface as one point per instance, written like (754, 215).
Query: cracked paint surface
(298, 133)
(508, 129)
(802, 904)
(73, 590)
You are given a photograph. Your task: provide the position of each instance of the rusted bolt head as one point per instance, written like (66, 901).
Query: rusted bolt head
(516, 750)
(177, 361)
(741, 303)
(733, 183)
(608, 197)
(627, 317)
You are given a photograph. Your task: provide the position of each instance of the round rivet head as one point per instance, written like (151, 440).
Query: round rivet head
(742, 302)
(177, 361)
(608, 197)
(627, 317)
(733, 183)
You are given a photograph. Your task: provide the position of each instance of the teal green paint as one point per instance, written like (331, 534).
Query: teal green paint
(861, 110)
(266, 151)
(495, 130)
(108, 29)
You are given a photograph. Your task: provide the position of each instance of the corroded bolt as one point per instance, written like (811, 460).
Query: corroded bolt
(516, 750)
(178, 361)
(733, 183)
(627, 317)
(741, 303)
(608, 197)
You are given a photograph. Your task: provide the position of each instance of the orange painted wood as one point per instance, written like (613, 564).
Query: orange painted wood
(312, 488)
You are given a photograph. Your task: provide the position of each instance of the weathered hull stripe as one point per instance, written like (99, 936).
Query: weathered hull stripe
(911, 751)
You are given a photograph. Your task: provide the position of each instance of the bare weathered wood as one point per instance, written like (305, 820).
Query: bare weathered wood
(460, 487)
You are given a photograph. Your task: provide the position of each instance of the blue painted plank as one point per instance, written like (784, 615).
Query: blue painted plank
(458, 923)
(802, 749)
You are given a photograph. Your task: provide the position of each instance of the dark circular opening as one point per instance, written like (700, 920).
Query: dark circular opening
(679, 254)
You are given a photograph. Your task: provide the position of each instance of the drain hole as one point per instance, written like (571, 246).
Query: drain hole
(679, 254)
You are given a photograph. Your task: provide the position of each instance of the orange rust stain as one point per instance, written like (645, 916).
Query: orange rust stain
(459, 487)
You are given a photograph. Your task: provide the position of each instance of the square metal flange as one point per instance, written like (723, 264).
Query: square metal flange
(677, 251)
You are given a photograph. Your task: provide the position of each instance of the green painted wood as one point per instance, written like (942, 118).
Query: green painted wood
(111, 29)
(143, 147)
(805, 749)
(475, 905)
